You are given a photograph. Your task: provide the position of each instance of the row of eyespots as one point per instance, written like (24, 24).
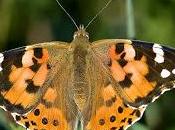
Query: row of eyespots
(113, 118)
(44, 120)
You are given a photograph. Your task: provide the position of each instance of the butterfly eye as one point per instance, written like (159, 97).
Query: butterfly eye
(81, 33)
(86, 35)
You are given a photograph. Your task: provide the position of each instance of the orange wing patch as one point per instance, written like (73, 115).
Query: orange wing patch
(25, 77)
(114, 115)
(44, 116)
(129, 70)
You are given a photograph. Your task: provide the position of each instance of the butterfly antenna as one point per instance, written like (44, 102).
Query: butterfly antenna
(101, 10)
(67, 14)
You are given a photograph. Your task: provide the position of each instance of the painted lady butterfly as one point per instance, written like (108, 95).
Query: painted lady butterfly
(103, 85)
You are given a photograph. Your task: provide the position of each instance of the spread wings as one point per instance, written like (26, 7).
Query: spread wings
(122, 77)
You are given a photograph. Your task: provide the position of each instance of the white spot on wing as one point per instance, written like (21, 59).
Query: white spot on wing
(159, 58)
(1, 60)
(27, 58)
(165, 73)
(157, 49)
(173, 71)
(130, 52)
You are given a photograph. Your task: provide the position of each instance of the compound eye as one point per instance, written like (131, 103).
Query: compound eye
(87, 36)
(75, 35)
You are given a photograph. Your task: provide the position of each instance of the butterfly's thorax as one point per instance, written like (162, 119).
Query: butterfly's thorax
(80, 46)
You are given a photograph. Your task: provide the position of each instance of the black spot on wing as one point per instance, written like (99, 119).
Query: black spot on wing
(17, 118)
(123, 120)
(35, 67)
(55, 122)
(126, 82)
(112, 118)
(31, 88)
(36, 112)
(138, 114)
(123, 55)
(27, 124)
(120, 109)
(44, 121)
(38, 52)
(130, 121)
(119, 48)
(33, 123)
(122, 62)
(138, 55)
(101, 122)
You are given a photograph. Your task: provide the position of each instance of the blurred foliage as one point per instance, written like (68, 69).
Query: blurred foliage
(25, 22)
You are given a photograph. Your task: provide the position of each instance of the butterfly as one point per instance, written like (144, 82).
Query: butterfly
(103, 85)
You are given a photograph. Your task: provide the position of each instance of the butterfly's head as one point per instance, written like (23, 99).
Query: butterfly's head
(81, 33)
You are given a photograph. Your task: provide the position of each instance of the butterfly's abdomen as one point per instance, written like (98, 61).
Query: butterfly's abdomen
(80, 84)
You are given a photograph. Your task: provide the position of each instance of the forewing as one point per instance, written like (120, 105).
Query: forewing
(142, 70)
(56, 109)
(32, 86)
(20, 69)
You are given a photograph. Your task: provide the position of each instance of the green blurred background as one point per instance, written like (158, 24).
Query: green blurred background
(24, 22)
